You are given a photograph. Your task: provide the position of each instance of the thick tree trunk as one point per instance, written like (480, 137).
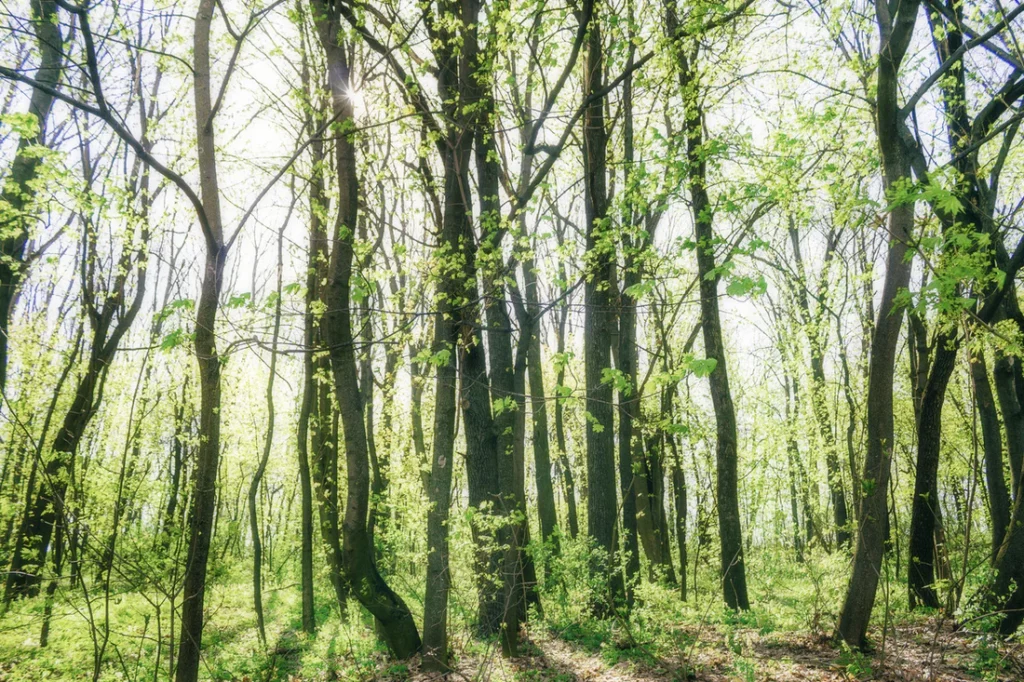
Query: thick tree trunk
(1013, 415)
(445, 350)
(435, 603)
(455, 275)
(501, 439)
(599, 327)
(631, 486)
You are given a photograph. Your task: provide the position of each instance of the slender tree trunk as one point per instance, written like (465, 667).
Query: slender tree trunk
(51, 588)
(855, 616)
(792, 455)
(204, 496)
(12, 586)
(733, 569)
(813, 328)
(456, 153)
(393, 616)
(416, 419)
(177, 465)
(48, 509)
(531, 329)
(18, 187)
(921, 578)
(679, 490)
(257, 477)
(568, 480)
(306, 406)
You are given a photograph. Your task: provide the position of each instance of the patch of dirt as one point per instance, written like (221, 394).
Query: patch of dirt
(926, 653)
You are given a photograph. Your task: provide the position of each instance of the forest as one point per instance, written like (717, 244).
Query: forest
(511, 340)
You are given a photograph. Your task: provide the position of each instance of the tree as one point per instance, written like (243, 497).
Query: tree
(18, 190)
(733, 570)
(366, 583)
(895, 31)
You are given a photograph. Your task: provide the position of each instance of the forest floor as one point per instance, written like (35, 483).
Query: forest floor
(911, 653)
(785, 637)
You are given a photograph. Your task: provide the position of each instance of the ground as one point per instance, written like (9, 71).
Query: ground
(910, 653)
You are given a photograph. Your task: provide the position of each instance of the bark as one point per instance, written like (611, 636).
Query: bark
(455, 274)
(394, 619)
(18, 192)
(599, 327)
(204, 495)
(416, 371)
(257, 477)
(509, 406)
(51, 589)
(309, 393)
(630, 449)
(679, 490)
(378, 467)
(855, 616)
(792, 455)
(531, 334)
(998, 497)
(632, 483)
(565, 466)
(322, 418)
(1013, 415)
(924, 517)
(733, 569)
(177, 465)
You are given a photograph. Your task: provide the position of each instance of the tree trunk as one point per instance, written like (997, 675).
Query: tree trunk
(568, 480)
(813, 324)
(393, 616)
(531, 333)
(204, 496)
(257, 477)
(733, 570)
(923, 526)
(679, 490)
(18, 187)
(599, 327)
(502, 442)
(309, 392)
(867, 565)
